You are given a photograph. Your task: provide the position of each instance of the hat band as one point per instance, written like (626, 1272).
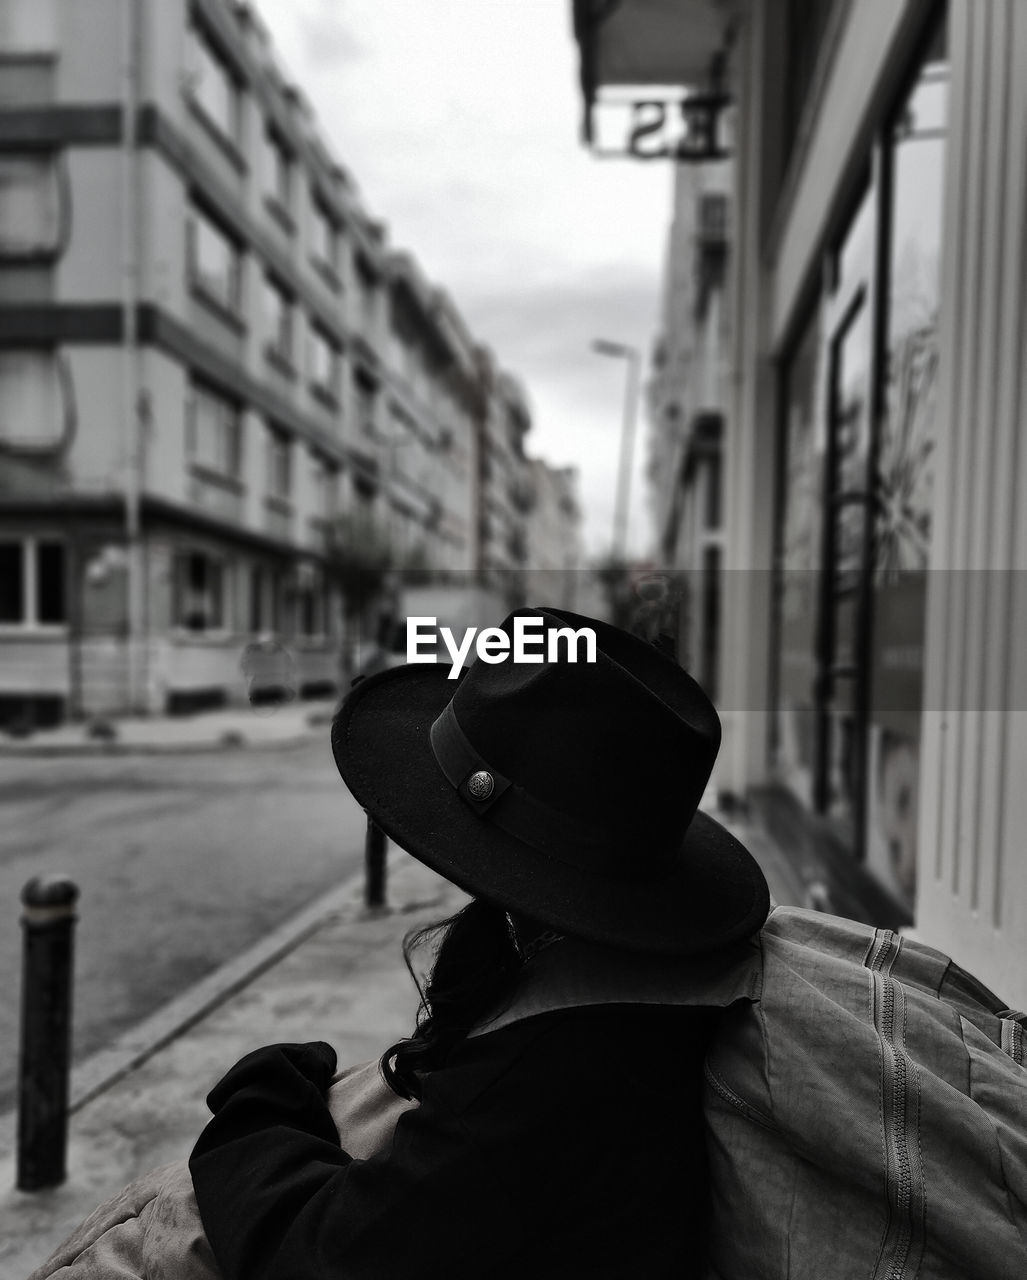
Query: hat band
(530, 820)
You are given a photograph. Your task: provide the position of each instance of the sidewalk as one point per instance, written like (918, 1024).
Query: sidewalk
(232, 727)
(343, 981)
(334, 973)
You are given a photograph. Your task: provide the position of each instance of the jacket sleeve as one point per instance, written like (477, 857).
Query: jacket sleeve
(279, 1197)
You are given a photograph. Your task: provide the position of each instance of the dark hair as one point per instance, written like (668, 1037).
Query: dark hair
(478, 954)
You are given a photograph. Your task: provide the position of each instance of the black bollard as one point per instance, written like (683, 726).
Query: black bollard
(48, 921)
(374, 865)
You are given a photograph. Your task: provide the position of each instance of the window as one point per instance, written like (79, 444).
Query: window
(214, 432)
(279, 465)
(365, 398)
(199, 591)
(324, 361)
(259, 612)
(278, 169)
(215, 89)
(713, 216)
(324, 235)
(278, 308)
(325, 486)
(30, 206)
(714, 491)
(215, 261)
(33, 408)
(366, 295)
(310, 601)
(32, 583)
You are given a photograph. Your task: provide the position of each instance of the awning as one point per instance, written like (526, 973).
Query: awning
(649, 42)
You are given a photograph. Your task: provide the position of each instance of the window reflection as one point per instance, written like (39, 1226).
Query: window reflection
(904, 482)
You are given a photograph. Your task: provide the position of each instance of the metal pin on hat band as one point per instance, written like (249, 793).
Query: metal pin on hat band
(480, 785)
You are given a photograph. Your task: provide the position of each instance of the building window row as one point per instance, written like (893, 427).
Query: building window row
(216, 91)
(214, 447)
(33, 591)
(215, 265)
(207, 591)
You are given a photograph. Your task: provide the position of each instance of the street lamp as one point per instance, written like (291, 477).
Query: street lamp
(603, 347)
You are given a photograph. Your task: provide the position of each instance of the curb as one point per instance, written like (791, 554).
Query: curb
(311, 719)
(54, 750)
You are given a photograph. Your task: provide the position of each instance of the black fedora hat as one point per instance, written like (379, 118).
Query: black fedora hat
(565, 790)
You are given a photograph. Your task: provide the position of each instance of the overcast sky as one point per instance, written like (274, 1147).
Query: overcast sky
(459, 120)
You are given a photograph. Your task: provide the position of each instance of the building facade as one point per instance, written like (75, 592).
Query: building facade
(555, 556)
(217, 379)
(872, 675)
(688, 392)
(506, 481)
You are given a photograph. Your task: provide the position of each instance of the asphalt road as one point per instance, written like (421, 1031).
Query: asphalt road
(182, 861)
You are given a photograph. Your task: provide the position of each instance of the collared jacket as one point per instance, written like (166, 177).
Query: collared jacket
(569, 1143)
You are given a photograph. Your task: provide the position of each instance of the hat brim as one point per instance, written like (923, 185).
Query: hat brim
(715, 895)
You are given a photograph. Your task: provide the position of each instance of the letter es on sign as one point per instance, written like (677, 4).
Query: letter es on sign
(688, 130)
(650, 119)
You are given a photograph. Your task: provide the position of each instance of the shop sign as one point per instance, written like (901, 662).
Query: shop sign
(688, 130)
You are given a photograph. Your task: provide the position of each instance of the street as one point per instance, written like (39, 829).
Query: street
(182, 861)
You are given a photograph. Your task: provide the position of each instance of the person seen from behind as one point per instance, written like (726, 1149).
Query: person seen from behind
(557, 1061)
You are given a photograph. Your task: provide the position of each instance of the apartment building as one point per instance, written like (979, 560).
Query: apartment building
(507, 492)
(554, 552)
(216, 376)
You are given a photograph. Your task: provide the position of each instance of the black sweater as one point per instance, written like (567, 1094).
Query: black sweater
(568, 1144)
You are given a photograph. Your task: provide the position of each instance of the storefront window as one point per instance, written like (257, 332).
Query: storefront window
(798, 560)
(905, 471)
(200, 591)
